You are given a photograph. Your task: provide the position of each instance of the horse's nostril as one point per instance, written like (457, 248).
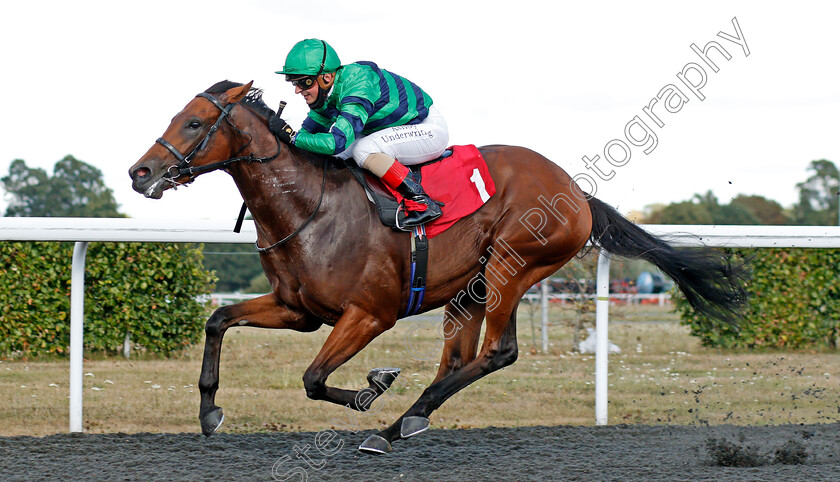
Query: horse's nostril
(142, 172)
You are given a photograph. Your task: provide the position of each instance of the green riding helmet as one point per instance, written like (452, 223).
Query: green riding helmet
(310, 57)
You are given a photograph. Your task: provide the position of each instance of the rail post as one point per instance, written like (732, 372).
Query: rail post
(602, 303)
(77, 346)
(544, 302)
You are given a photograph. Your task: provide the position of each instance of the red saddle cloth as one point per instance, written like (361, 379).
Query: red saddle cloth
(461, 181)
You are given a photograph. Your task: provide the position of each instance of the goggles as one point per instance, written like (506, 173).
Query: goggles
(303, 83)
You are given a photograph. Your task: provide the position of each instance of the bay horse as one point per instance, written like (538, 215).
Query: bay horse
(331, 261)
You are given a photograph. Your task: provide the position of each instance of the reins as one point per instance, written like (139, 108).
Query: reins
(305, 223)
(184, 167)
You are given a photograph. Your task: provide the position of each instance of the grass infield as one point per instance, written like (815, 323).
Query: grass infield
(661, 376)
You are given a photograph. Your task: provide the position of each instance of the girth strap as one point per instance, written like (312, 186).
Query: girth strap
(419, 263)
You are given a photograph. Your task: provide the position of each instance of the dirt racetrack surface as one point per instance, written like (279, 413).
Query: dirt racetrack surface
(627, 452)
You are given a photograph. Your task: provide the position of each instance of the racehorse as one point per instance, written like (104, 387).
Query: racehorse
(331, 261)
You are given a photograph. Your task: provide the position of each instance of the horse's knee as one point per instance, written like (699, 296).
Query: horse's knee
(314, 384)
(215, 324)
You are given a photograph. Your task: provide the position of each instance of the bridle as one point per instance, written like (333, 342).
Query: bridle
(184, 168)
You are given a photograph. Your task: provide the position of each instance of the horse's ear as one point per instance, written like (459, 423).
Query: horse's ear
(235, 94)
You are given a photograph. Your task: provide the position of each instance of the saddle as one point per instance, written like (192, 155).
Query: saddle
(459, 178)
(387, 205)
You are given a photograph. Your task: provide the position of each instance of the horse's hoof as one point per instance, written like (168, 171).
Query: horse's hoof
(375, 444)
(383, 377)
(411, 426)
(212, 421)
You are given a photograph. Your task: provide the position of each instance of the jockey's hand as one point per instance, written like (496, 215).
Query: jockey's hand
(281, 129)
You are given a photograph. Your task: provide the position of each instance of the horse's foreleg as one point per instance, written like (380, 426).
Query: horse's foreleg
(353, 331)
(263, 312)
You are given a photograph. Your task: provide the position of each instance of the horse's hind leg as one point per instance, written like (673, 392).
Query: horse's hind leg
(263, 312)
(499, 350)
(461, 330)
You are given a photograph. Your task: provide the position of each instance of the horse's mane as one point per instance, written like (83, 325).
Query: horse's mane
(253, 101)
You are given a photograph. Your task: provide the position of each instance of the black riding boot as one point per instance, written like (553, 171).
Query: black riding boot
(412, 190)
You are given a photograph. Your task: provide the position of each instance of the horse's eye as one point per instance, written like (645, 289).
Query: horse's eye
(194, 124)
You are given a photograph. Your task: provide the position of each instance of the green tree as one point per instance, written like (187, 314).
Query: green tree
(766, 211)
(734, 214)
(706, 209)
(685, 212)
(794, 302)
(259, 285)
(725, 213)
(236, 265)
(818, 195)
(76, 189)
(151, 291)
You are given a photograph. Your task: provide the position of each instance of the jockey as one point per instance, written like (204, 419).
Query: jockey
(382, 120)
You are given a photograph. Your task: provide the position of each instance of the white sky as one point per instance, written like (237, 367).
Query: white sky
(101, 81)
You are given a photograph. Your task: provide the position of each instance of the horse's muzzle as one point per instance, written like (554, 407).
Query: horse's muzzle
(147, 184)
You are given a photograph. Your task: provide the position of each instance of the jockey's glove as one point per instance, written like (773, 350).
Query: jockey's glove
(281, 129)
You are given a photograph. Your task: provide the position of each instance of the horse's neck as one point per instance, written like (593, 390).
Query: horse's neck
(281, 194)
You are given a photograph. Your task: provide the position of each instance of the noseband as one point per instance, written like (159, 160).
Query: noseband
(183, 167)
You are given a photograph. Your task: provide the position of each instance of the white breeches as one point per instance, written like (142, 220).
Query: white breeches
(409, 144)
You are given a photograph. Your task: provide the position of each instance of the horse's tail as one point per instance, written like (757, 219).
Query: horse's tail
(711, 283)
